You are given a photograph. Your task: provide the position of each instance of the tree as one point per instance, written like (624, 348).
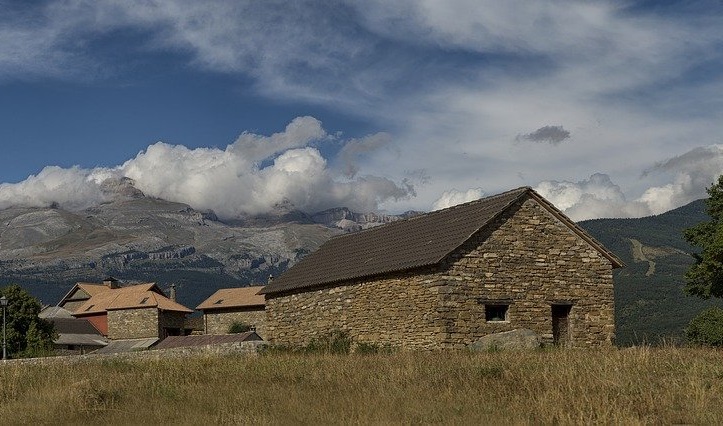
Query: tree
(27, 335)
(705, 277)
(238, 327)
(706, 328)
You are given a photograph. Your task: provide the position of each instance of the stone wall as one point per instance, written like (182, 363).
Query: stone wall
(225, 349)
(171, 323)
(398, 310)
(133, 323)
(528, 261)
(218, 321)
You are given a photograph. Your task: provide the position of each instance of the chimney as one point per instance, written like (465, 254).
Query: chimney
(271, 279)
(172, 292)
(110, 282)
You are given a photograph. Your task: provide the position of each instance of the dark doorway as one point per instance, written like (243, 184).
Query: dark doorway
(561, 324)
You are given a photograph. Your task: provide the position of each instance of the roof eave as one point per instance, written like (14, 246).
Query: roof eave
(265, 291)
(211, 308)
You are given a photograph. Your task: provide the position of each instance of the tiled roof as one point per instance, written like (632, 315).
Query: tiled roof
(51, 312)
(74, 326)
(80, 339)
(137, 296)
(241, 297)
(205, 340)
(128, 345)
(92, 288)
(411, 243)
(79, 291)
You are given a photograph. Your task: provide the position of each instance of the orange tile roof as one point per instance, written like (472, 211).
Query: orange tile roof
(240, 297)
(92, 288)
(137, 296)
(89, 288)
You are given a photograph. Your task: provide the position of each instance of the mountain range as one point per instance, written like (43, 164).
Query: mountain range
(134, 238)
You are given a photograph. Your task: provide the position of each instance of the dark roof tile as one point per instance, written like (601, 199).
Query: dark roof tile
(205, 340)
(411, 243)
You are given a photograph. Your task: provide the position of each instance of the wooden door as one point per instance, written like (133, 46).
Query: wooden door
(561, 324)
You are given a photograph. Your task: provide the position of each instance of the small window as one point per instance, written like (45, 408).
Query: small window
(218, 302)
(496, 312)
(89, 308)
(143, 302)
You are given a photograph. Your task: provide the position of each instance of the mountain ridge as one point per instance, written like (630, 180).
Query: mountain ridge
(134, 237)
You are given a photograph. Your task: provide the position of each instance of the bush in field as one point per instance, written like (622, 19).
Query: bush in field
(706, 328)
(334, 342)
(239, 327)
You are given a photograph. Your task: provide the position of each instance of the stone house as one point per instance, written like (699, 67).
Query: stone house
(447, 278)
(134, 312)
(229, 305)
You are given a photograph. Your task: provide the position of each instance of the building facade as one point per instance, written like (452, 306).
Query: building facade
(228, 306)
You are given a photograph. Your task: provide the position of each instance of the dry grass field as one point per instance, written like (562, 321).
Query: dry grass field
(626, 386)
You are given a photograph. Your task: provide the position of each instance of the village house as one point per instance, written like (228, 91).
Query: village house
(140, 311)
(447, 278)
(74, 336)
(234, 305)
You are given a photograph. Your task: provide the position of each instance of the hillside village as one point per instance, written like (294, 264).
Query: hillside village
(509, 264)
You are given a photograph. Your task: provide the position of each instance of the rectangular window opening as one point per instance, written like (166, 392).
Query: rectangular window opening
(496, 312)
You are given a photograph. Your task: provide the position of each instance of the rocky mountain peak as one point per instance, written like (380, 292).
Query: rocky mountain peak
(123, 187)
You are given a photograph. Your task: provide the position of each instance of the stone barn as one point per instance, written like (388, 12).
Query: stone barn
(447, 278)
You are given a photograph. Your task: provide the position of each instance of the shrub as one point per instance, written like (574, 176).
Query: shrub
(239, 327)
(335, 342)
(706, 328)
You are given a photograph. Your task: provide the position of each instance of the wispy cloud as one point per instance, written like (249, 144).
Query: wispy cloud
(451, 83)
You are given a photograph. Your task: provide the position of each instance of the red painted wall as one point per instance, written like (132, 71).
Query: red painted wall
(99, 321)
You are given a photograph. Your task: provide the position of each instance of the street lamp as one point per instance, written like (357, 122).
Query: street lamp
(4, 303)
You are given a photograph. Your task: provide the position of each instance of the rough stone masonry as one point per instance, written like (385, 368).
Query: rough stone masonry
(527, 269)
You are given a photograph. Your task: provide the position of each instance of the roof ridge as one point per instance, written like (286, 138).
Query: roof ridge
(522, 190)
(433, 212)
(423, 240)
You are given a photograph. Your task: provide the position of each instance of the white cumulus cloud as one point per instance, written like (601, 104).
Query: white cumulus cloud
(233, 181)
(72, 188)
(691, 173)
(453, 197)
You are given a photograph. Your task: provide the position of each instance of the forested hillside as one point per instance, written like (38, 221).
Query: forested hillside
(650, 303)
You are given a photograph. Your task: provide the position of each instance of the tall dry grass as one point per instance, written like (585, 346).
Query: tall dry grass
(629, 386)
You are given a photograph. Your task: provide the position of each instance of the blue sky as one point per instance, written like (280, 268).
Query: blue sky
(606, 108)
